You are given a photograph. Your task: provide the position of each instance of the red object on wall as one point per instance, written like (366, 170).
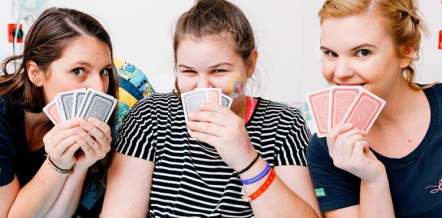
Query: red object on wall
(12, 32)
(440, 39)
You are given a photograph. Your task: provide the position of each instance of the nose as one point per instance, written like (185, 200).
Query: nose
(95, 81)
(343, 69)
(204, 82)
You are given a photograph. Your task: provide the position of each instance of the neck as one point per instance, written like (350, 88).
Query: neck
(402, 101)
(36, 119)
(36, 127)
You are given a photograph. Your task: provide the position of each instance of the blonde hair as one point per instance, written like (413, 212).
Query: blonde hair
(401, 20)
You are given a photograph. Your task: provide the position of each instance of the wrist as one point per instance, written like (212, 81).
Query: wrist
(379, 177)
(64, 172)
(258, 167)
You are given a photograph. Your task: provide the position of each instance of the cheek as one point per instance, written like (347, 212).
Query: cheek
(186, 84)
(236, 86)
(327, 70)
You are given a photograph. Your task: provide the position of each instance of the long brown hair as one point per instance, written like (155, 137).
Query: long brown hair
(400, 18)
(45, 43)
(215, 17)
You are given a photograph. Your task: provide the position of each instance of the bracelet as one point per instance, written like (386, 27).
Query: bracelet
(261, 189)
(65, 172)
(258, 177)
(250, 165)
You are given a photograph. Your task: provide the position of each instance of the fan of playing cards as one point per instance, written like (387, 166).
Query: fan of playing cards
(344, 104)
(192, 100)
(80, 103)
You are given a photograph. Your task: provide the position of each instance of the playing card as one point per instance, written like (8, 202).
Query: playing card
(82, 98)
(318, 103)
(226, 100)
(65, 102)
(192, 100)
(98, 105)
(213, 94)
(51, 111)
(341, 98)
(364, 110)
(79, 95)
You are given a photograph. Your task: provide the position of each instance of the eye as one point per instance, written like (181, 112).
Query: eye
(106, 71)
(188, 71)
(330, 53)
(78, 72)
(219, 71)
(363, 53)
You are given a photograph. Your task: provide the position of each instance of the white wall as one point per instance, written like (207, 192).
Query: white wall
(287, 33)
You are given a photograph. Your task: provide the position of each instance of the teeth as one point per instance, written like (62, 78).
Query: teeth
(362, 84)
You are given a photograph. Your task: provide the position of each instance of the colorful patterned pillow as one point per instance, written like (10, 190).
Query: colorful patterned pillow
(133, 86)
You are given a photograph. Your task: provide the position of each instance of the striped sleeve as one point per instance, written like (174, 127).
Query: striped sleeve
(136, 134)
(293, 136)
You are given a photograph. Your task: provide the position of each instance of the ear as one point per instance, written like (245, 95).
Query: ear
(252, 63)
(407, 53)
(36, 75)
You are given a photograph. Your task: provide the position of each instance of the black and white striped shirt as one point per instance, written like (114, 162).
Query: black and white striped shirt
(190, 179)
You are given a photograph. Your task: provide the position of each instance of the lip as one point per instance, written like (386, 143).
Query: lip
(352, 84)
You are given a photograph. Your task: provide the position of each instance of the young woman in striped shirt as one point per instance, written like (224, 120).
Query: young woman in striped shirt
(246, 161)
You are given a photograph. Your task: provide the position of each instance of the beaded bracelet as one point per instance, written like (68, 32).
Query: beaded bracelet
(261, 189)
(65, 172)
(250, 165)
(258, 177)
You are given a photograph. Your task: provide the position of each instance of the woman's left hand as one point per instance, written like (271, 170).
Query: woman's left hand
(220, 127)
(94, 138)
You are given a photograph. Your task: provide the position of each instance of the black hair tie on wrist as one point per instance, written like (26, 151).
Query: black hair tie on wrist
(250, 165)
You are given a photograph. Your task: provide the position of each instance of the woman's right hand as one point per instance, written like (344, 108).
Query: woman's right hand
(60, 143)
(349, 151)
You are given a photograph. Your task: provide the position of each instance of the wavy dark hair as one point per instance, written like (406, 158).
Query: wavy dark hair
(45, 42)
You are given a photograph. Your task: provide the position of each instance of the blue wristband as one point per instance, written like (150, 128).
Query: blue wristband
(261, 175)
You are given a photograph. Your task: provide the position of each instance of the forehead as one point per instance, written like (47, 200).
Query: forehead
(209, 46)
(87, 48)
(353, 30)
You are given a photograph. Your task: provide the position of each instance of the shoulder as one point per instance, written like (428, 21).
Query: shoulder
(7, 113)
(155, 101)
(154, 106)
(434, 95)
(437, 89)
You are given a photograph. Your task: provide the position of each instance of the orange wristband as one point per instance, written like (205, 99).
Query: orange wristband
(263, 187)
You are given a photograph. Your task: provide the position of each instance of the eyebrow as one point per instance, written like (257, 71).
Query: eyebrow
(214, 66)
(83, 63)
(353, 49)
(363, 45)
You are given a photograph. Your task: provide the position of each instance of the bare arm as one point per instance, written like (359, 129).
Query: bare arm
(36, 197)
(67, 201)
(94, 138)
(352, 154)
(290, 195)
(375, 201)
(128, 187)
(9, 192)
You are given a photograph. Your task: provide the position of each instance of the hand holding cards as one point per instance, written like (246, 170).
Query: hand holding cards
(344, 104)
(193, 99)
(80, 103)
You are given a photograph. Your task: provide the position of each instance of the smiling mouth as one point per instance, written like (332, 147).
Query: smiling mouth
(359, 84)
